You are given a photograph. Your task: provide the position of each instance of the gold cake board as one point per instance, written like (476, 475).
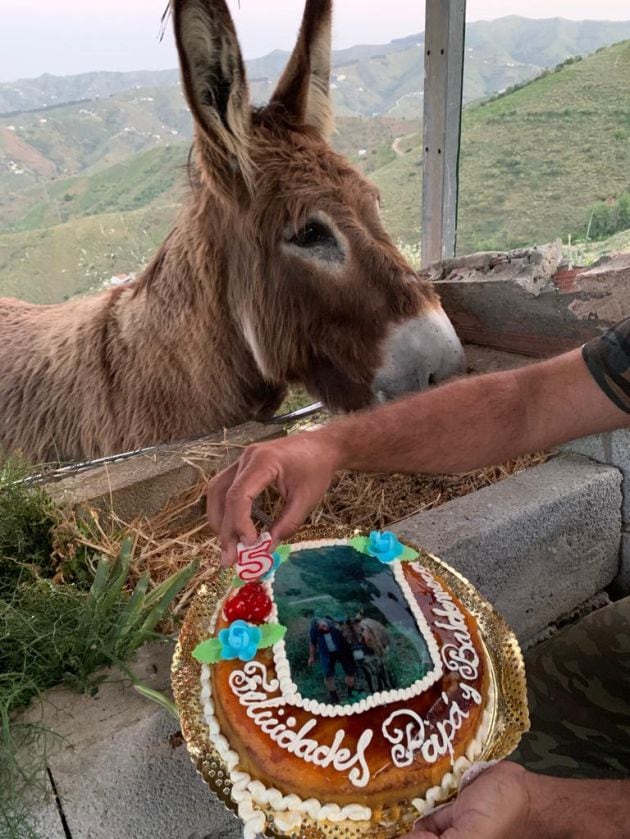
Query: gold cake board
(507, 671)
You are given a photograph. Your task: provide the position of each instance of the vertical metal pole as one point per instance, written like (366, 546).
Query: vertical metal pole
(443, 86)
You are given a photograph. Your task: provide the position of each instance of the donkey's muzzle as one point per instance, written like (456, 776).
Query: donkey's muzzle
(418, 353)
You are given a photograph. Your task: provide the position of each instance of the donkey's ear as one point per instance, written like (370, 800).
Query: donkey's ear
(304, 89)
(215, 85)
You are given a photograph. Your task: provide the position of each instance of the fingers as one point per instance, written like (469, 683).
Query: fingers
(422, 834)
(302, 487)
(301, 467)
(215, 496)
(218, 493)
(230, 496)
(434, 825)
(438, 821)
(494, 806)
(237, 525)
(298, 505)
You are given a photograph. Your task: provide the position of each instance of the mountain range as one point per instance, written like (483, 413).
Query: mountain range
(88, 188)
(368, 80)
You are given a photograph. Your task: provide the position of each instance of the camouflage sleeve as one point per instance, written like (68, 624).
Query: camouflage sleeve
(608, 359)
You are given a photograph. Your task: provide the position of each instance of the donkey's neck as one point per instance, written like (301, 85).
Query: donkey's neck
(179, 312)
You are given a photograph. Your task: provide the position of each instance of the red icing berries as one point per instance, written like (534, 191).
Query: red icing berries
(248, 603)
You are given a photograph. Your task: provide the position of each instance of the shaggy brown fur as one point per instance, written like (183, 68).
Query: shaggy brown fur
(229, 310)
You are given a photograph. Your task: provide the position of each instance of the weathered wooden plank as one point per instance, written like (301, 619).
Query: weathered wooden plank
(443, 77)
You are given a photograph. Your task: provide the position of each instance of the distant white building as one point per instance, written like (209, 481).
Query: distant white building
(118, 280)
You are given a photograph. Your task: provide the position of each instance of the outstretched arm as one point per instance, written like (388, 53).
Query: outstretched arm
(467, 424)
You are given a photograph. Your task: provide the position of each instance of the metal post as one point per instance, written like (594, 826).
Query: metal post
(443, 82)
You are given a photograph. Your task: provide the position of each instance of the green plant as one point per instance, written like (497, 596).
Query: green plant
(609, 217)
(58, 633)
(27, 516)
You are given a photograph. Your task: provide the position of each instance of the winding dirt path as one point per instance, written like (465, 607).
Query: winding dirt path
(396, 146)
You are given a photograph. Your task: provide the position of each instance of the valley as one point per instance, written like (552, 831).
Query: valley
(89, 188)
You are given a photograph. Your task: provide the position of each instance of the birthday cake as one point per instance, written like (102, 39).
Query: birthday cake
(341, 679)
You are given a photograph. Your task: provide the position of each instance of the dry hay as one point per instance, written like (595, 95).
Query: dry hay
(179, 534)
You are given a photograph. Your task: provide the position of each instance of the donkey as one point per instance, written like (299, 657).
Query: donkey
(277, 270)
(370, 638)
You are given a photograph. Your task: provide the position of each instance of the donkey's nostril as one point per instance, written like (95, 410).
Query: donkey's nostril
(420, 353)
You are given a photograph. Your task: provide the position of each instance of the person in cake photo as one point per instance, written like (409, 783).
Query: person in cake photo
(328, 646)
(350, 632)
(565, 779)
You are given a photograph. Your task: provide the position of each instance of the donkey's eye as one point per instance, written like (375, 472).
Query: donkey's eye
(312, 234)
(317, 241)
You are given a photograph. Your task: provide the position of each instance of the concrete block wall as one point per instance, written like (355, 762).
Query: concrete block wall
(120, 766)
(537, 545)
(613, 448)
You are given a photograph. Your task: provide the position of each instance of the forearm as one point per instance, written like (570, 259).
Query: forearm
(578, 809)
(474, 422)
(477, 421)
(444, 430)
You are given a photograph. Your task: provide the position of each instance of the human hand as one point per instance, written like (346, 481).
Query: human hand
(301, 467)
(494, 806)
(311, 660)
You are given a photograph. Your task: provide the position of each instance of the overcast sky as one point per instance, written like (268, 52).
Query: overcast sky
(75, 36)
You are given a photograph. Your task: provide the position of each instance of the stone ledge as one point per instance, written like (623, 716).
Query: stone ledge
(537, 545)
(612, 448)
(120, 766)
(143, 484)
(527, 302)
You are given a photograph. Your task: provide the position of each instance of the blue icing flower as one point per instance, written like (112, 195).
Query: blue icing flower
(277, 559)
(384, 545)
(239, 640)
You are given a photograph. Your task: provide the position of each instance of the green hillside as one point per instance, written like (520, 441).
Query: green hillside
(47, 265)
(93, 135)
(534, 161)
(63, 236)
(546, 42)
(48, 90)
(90, 191)
(152, 176)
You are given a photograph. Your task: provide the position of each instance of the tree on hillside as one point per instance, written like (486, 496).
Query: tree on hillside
(601, 221)
(608, 218)
(623, 212)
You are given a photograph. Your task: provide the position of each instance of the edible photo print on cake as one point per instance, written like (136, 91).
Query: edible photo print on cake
(350, 631)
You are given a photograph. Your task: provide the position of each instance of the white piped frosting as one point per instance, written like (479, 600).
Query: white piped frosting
(251, 795)
(452, 780)
(248, 793)
(290, 691)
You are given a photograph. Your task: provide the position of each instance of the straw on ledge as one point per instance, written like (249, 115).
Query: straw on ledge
(179, 533)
